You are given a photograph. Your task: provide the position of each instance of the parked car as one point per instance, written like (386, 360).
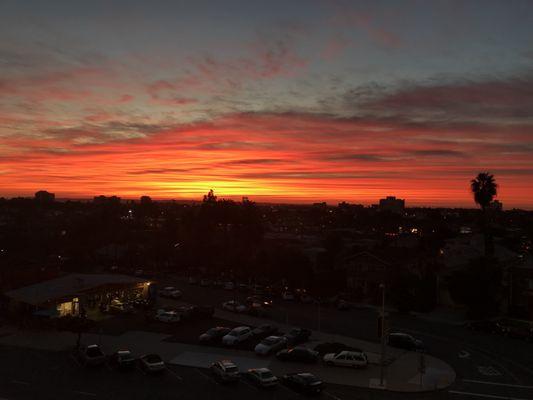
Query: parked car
(270, 345)
(265, 329)
(237, 335)
(91, 355)
(192, 280)
(225, 370)
(298, 335)
(262, 377)
(261, 300)
(257, 310)
(170, 292)
(229, 285)
(122, 359)
(234, 306)
(303, 382)
(298, 354)
(214, 334)
(346, 359)
(288, 296)
(152, 363)
(170, 317)
(405, 341)
(118, 307)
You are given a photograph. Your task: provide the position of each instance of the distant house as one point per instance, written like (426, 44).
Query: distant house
(391, 203)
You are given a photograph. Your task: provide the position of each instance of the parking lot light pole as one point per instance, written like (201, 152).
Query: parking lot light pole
(382, 369)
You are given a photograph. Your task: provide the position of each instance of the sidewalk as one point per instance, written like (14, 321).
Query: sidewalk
(401, 375)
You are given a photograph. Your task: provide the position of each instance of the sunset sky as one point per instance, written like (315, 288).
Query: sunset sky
(293, 101)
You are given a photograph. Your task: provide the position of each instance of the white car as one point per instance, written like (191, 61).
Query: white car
(270, 344)
(170, 291)
(225, 370)
(262, 377)
(152, 363)
(234, 306)
(346, 358)
(167, 316)
(237, 335)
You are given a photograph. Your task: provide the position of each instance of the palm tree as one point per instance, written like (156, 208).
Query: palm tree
(484, 189)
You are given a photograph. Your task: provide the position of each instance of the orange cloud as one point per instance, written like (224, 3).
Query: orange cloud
(271, 157)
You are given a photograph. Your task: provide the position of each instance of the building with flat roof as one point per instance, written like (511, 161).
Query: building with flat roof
(76, 294)
(391, 203)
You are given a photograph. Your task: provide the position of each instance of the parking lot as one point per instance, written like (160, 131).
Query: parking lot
(29, 374)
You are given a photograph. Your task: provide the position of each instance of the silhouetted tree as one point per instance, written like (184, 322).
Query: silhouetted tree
(484, 189)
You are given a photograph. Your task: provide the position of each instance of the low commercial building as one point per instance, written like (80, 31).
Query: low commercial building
(76, 294)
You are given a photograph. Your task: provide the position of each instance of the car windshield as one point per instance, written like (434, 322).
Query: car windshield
(270, 341)
(94, 352)
(153, 358)
(232, 369)
(266, 375)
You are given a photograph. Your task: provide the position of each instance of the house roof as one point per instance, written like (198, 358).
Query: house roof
(68, 285)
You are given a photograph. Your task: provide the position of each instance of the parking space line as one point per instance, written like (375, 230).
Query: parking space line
(208, 377)
(488, 396)
(174, 374)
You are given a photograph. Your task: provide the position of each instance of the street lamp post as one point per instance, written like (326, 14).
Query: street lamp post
(383, 331)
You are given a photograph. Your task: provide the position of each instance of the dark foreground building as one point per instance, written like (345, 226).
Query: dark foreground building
(76, 294)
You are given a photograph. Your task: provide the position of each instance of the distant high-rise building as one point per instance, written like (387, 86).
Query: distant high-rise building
(391, 203)
(42, 196)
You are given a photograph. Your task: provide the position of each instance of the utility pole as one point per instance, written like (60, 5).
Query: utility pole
(383, 334)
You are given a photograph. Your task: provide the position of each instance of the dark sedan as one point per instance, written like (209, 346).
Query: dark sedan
(298, 354)
(298, 335)
(303, 382)
(214, 334)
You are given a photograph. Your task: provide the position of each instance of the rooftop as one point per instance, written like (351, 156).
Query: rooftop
(68, 285)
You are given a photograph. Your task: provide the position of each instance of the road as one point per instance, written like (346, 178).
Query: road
(487, 366)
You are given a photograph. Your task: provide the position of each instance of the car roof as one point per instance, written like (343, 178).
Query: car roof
(261, 370)
(240, 328)
(227, 363)
(350, 352)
